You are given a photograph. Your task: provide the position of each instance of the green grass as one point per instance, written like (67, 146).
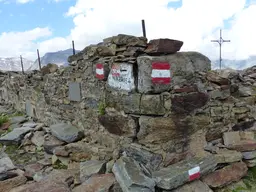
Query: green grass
(17, 114)
(59, 165)
(3, 119)
(249, 181)
(101, 108)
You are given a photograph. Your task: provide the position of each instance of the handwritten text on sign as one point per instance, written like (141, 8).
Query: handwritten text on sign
(161, 73)
(121, 77)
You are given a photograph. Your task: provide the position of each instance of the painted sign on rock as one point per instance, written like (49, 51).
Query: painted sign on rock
(121, 77)
(99, 71)
(194, 173)
(161, 73)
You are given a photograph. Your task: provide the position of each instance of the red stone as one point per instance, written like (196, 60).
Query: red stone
(246, 145)
(31, 170)
(9, 184)
(43, 186)
(160, 46)
(225, 87)
(97, 183)
(5, 126)
(215, 78)
(227, 175)
(185, 104)
(185, 90)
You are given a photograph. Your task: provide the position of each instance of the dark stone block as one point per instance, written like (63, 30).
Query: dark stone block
(160, 46)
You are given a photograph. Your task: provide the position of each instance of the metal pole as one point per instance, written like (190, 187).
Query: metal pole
(220, 48)
(73, 45)
(21, 62)
(39, 62)
(220, 41)
(143, 28)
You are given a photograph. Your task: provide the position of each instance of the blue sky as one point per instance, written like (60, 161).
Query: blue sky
(40, 13)
(195, 22)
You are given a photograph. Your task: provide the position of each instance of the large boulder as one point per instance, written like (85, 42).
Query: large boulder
(185, 171)
(163, 46)
(130, 176)
(161, 73)
(65, 132)
(15, 136)
(227, 175)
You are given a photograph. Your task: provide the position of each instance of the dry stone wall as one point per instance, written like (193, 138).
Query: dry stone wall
(170, 118)
(132, 91)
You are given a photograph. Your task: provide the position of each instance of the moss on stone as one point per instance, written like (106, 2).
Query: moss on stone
(59, 165)
(3, 119)
(101, 108)
(17, 114)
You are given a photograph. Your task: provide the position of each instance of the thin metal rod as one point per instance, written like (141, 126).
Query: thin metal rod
(73, 45)
(21, 62)
(143, 28)
(220, 41)
(39, 61)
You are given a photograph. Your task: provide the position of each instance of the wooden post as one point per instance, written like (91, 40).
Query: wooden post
(21, 62)
(143, 28)
(39, 62)
(73, 45)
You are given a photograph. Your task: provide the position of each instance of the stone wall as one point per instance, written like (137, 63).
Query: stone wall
(125, 90)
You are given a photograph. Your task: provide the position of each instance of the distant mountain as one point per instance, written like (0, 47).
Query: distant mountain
(235, 64)
(14, 64)
(60, 58)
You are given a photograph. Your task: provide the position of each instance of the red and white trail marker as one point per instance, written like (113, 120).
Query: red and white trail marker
(194, 173)
(99, 71)
(161, 73)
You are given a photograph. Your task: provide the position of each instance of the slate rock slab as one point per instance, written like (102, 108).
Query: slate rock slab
(250, 162)
(197, 186)
(7, 185)
(88, 168)
(162, 46)
(66, 132)
(18, 120)
(130, 176)
(228, 156)
(184, 171)
(50, 143)
(15, 136)
(97, 183)
(38, 138)
(5, 163)
(249, 155)
(145, 157)
(226, 175)
(43, 186)
(30, 124)
(243, 146)
(7, 175)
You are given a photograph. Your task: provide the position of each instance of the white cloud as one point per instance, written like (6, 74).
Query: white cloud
(24, 1)
(196, 23)
(21, 43)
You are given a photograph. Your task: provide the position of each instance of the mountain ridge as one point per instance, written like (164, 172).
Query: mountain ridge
(61, 59)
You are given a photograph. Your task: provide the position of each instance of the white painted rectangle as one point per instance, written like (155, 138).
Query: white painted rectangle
(160, 73)
(100, 71)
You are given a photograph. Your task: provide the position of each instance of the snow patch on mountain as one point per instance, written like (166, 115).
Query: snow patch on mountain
(14, 64)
